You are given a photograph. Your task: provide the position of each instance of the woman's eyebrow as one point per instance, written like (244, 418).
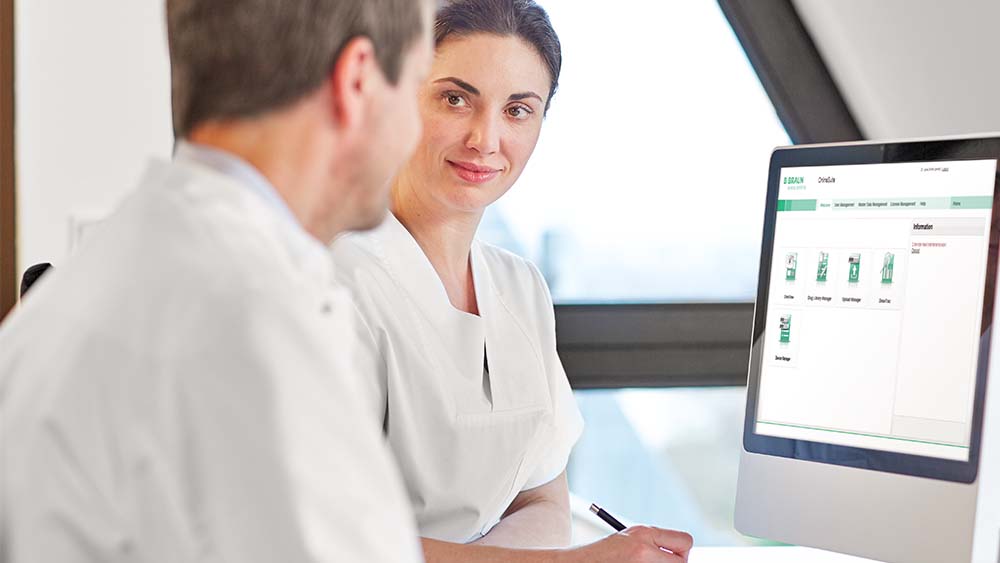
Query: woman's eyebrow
(523, 95)
(460, 83)
(475, 91)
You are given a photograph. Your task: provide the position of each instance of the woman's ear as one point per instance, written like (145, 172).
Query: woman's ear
(353, 81)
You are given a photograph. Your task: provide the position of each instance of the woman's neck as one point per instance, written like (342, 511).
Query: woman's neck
(446, 239)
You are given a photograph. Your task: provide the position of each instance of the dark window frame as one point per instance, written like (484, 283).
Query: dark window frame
(605, 346)
(654, 345)
(8, 196)
(792, 71)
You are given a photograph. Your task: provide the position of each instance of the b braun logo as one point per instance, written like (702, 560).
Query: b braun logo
(794, 180)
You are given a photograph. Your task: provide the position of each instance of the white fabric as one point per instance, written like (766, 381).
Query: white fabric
(240, 171)
(465, 453)
(184, 390)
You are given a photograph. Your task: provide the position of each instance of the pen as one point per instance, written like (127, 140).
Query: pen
(603, 515)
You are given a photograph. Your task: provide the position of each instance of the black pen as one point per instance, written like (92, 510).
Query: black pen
(603, 515)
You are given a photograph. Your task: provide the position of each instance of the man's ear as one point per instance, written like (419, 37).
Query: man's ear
(352, 82)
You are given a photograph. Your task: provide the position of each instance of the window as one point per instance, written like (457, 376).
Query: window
(663, 457)
(648, 182)
(8, 273)
(642, 206)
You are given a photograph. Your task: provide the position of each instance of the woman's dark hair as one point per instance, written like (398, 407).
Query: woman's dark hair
(524, 19)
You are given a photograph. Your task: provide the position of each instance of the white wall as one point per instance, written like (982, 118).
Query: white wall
(93, 103)
(912, 68)
(93, 91)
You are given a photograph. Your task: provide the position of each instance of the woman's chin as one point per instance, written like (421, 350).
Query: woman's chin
(467, 199)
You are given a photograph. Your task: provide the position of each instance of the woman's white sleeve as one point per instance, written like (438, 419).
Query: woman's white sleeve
(567, 423)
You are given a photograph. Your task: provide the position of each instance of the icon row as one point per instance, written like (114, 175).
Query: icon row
(853, 267)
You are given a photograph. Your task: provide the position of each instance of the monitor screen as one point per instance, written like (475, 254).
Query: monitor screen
(869, 332)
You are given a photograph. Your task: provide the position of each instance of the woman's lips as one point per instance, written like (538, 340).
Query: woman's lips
(473, 173)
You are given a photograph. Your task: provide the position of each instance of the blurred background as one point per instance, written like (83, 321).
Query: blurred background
(642, 204)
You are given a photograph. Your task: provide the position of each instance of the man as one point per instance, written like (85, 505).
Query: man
(183, 389)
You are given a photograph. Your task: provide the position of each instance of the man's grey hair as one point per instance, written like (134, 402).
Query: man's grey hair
(241, 58)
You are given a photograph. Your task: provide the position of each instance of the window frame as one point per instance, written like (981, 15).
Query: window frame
(613, 346)
(8, 196)
(792, 71)
(654, 345)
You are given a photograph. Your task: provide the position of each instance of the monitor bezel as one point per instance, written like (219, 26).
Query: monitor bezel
(986, 148)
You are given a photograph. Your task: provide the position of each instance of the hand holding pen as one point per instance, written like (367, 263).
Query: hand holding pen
(604, 515)
(640, 544)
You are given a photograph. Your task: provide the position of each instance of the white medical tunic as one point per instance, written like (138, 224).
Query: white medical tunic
(467, 440)
(183, 390)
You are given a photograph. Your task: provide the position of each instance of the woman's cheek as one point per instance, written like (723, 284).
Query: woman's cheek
(440, 132)
(524, 148)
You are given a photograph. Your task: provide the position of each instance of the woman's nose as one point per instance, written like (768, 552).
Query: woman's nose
(484, 137)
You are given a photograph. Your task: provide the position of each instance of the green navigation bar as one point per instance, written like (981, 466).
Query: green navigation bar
(972, 202)
(894, 204)
(796, 205)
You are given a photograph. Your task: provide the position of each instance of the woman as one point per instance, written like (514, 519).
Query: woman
(475, 402)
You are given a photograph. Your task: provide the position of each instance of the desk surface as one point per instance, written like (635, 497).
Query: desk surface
(768, 555)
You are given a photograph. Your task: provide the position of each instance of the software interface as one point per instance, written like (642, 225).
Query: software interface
(875, 305)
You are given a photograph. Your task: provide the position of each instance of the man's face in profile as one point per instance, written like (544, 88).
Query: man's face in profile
(395, 131)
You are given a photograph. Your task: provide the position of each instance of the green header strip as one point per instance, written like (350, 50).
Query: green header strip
(896, 203)
(796, 205)
(972, 202)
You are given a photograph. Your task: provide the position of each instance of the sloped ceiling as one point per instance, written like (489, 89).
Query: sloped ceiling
(912, 68)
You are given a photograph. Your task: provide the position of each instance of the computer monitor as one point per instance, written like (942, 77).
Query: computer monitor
(870, 354)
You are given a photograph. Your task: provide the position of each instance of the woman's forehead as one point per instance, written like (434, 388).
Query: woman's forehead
(492, 63)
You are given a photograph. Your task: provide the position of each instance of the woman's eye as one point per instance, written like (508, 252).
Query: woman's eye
(454, 100)
(519, 112)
